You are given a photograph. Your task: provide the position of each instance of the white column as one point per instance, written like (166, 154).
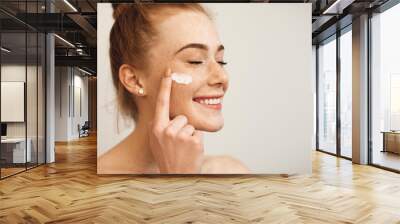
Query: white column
(360, 90)
(50, 93)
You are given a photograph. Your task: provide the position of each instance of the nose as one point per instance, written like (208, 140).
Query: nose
(218, 76)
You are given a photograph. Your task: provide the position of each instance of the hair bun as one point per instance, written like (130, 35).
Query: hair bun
(120, 9)
(136, 6)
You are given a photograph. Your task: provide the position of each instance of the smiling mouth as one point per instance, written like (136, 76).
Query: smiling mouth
(211, 102)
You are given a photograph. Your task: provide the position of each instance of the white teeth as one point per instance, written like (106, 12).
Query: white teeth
(211, 101)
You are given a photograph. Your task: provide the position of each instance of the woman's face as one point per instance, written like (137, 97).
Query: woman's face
(188, 43)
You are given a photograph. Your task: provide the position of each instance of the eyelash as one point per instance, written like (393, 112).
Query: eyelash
(222, 63)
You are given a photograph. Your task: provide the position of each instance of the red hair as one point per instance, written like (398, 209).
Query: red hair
(132, 36)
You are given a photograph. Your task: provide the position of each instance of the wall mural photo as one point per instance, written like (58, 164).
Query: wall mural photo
(189, 88)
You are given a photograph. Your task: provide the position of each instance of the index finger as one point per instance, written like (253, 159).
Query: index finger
(162, 104)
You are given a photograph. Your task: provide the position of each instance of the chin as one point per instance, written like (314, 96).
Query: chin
(203, 117)
(209, 125)
(206, 117)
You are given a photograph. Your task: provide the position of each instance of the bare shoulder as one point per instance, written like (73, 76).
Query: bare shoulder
(111, 162)
(223, 164)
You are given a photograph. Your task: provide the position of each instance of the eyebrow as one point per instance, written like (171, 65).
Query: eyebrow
(199, 46)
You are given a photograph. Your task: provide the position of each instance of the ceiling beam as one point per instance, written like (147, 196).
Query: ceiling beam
(84, 24)
(337, 7)
(81, 61)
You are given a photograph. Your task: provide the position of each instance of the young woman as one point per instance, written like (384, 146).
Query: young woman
(148, 43)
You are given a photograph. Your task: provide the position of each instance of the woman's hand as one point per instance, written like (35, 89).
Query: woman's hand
(176, 146)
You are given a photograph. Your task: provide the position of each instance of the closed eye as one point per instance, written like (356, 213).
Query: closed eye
(223, 63)
(195, 62)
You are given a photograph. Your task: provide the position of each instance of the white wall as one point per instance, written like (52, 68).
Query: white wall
(12, 101)
(68, 80)
(80, 82)
(61, 103)
(17, 73)
(314, 84)
(268, 109)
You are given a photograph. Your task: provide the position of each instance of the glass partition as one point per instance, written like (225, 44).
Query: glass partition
(22, 67)
(13, 104)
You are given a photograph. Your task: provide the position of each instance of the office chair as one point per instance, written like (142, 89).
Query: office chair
(84, 130)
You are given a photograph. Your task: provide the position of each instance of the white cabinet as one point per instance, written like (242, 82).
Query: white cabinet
(17, 145)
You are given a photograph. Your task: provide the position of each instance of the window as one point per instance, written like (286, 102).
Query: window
(385, 89)
(327, 96)
(346, 93)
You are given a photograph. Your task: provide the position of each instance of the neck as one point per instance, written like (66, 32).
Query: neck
(138, 142)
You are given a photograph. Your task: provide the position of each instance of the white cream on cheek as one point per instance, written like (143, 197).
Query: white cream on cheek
(181, 78)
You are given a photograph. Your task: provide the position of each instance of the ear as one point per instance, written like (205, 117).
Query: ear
(130, 79)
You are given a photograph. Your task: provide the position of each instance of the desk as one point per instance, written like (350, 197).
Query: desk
(13, 150)
(391, 141)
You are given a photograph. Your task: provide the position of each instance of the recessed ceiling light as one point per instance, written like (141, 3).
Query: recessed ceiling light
(337, 7)
(70, 5)
(5, 50)
(84, 71)
(64, 40)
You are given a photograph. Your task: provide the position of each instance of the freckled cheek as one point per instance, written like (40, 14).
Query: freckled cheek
(182, 96)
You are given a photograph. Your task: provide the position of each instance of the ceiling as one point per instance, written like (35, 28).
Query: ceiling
(75, 23)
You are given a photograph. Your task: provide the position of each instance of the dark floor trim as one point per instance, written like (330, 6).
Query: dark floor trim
(385, 168)
(333, 154)
(29, 168)
(373, 165)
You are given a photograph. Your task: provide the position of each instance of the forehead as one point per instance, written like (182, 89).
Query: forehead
(186, 27)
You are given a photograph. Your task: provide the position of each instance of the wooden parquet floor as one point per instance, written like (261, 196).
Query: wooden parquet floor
(70, 191)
